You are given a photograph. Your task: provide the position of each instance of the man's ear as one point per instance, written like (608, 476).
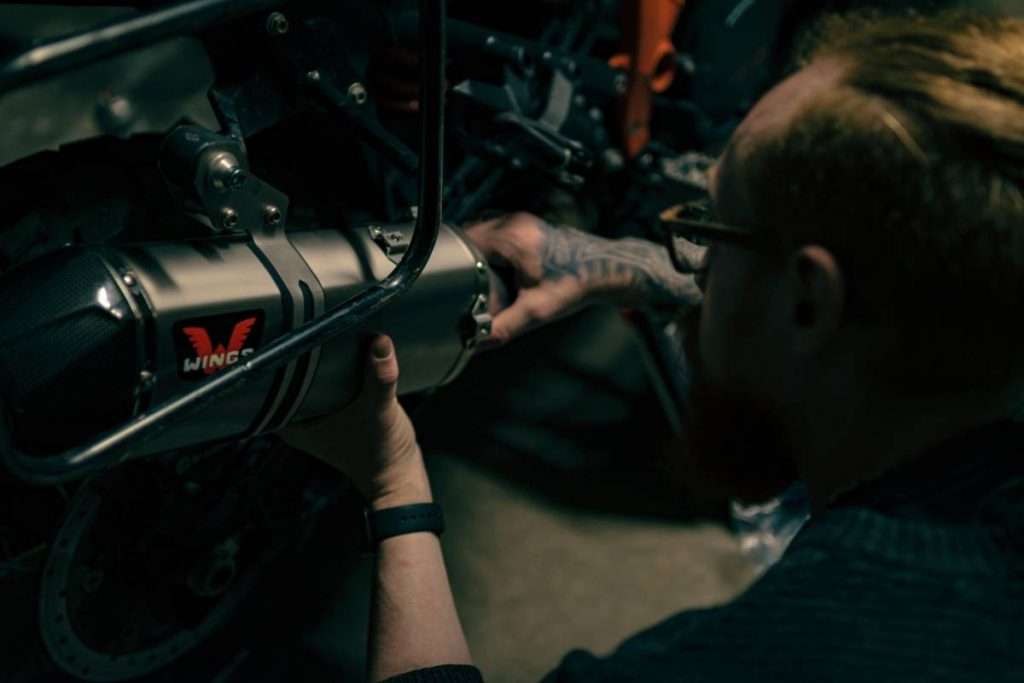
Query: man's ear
(817, 295)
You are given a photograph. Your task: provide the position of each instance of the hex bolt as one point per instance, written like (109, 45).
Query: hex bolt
(357, 93)
(277, 24)
(229, 218)
(271, 215)
(225, 173)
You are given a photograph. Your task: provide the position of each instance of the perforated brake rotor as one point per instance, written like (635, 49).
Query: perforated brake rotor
(107, 616)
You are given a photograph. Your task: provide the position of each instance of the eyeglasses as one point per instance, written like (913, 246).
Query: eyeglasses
(690, 228)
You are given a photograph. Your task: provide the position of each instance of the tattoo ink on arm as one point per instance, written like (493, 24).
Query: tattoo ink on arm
(630, 270)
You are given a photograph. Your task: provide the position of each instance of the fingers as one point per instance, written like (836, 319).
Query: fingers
(381, 381)
(687, 256)
(531, 309)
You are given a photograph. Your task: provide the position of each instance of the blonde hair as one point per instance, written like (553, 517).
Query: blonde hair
(912, 173)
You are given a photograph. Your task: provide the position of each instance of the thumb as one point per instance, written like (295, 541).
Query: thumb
(381, 381)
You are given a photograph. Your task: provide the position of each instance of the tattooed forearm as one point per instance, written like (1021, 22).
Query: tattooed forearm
(641, 272)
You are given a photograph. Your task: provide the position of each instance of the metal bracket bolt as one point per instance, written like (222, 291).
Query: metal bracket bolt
(225, 173)
(357, 93)
(271, 214)
(229, 218)
(277, 24)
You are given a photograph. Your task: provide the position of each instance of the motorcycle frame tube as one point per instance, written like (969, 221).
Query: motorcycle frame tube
(116, 446)
(122, 35)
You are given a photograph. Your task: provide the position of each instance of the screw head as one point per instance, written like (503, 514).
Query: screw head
(271, 214)
(313, 76)
(128, 279)
(229, 218)
(481, 267)
(357, 93)
(146, 379)
(277, 24)
(485, 330)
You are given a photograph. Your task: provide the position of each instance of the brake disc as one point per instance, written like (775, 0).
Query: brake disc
(106, 613)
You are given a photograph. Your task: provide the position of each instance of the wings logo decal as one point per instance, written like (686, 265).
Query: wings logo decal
(204, 358)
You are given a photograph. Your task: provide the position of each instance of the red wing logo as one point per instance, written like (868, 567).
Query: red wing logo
(209, 359)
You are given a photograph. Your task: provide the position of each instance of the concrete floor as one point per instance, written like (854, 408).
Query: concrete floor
(533, 579)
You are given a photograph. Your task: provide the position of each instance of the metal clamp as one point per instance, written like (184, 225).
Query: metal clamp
(392, 240)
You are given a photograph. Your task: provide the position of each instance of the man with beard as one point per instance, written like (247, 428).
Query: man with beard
(860, 331)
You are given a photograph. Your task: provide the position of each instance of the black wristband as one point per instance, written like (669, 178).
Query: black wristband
(404, 519)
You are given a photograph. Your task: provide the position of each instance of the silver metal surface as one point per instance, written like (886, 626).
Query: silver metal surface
(186, 280)
(430, 324)
(435, 325)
